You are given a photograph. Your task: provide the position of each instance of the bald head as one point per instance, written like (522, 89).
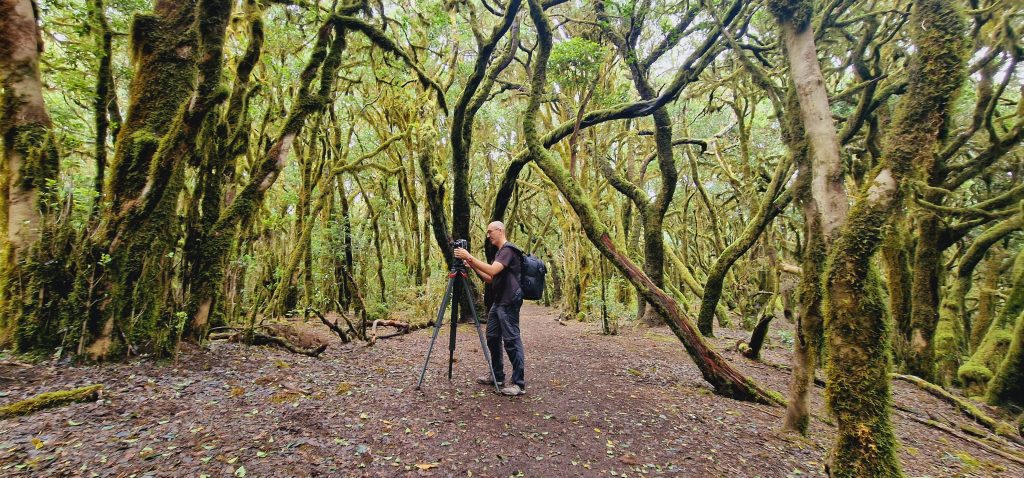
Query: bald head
(496, 233)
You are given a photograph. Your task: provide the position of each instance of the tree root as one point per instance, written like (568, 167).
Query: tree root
(51, 400)
(969, 409)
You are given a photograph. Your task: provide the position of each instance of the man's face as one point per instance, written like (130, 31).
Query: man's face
(493, 234)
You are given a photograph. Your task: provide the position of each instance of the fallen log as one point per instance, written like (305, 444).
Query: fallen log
(51, 400)
(258, 338)
(333, 326)
(963, 436)
(1002, 429)
(402, 329)
(264, 339)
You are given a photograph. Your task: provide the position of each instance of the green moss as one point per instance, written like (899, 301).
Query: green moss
(969, 461)
(1015, 300)
(978, 370)
(974, 378)
(1007, 385)
(947, 351)
(797, 12)
(857, 331)
(38, 148)
(50, 400)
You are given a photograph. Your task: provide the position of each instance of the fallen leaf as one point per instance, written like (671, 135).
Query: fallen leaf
(426, 466)
(240, 472)
(629, 459)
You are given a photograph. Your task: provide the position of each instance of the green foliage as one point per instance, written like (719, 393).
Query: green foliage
(574, 63)
(594, 308)
(378, 311)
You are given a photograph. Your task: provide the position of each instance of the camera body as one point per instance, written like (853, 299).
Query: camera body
(457, 264)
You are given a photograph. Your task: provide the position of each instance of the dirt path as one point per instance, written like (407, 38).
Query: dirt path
(630, 405)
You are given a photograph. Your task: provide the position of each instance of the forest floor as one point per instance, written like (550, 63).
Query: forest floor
(626, 406)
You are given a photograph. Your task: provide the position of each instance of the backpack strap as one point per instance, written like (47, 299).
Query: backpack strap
(522, 260)
(514, 247)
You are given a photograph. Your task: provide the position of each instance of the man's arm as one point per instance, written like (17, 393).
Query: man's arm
(478, 265)
(483, 276)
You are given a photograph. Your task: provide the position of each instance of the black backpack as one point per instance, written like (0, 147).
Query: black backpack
(531, 274)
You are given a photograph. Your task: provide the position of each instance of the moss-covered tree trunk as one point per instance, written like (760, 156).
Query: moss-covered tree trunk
(217, 168)
(344, 259)
(924, 298)
(976, 374)
(29, 162)
(141, 227)
(726, 380)
(856, 325)
(163, 47)
(986, 312)
(652, 211)
(1007, 386)
(105, 97)
(895, 256)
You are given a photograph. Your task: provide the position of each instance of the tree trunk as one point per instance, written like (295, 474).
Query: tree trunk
(895, 255)
(163, 56)
(1007, 385)
(984, 362)
(104, 94)
(986, 299)
(856, 327)
(30, 162)
(141, 227)
(924, 299)
(822, 193)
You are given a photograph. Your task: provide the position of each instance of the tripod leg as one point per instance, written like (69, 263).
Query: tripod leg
(437, 328)
(483, 344)
(454, 322)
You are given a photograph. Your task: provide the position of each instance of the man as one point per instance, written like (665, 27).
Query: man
(503, 316)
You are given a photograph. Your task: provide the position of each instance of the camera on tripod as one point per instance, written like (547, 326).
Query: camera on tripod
(456, 275)
(456, 244)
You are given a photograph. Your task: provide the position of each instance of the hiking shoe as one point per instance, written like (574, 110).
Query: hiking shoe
(512, 390)
(487, 380)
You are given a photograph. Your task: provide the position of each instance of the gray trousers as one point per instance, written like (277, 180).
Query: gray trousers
(503, 329)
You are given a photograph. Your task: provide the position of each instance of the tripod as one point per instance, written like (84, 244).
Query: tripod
(456, 273)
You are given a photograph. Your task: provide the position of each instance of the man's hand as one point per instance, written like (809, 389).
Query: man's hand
(463, 254)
